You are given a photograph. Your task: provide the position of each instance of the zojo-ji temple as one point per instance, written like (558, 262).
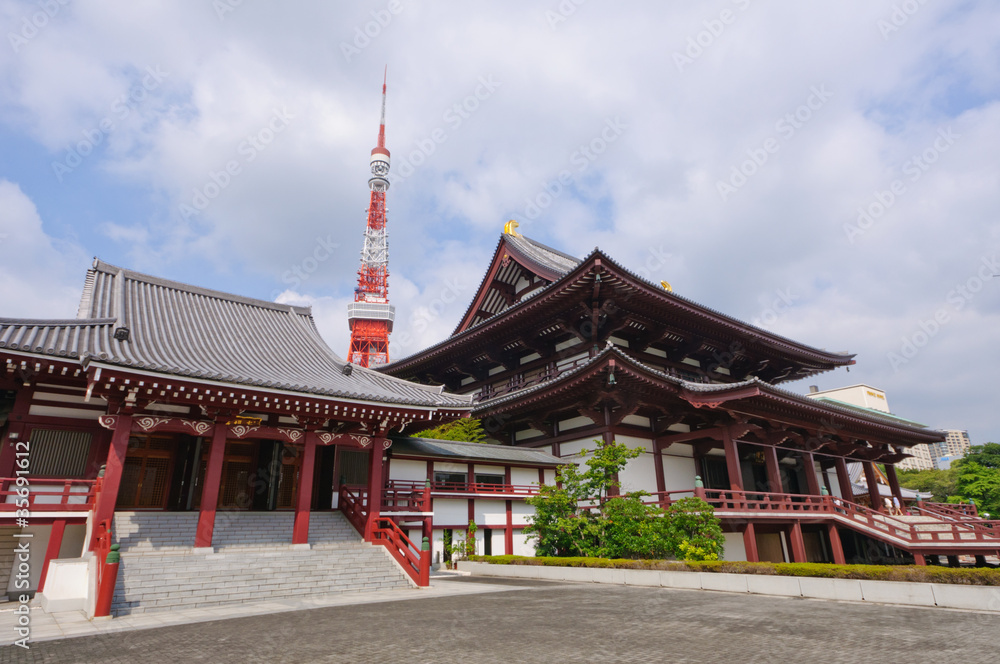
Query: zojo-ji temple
(558, 352)
(230, 455)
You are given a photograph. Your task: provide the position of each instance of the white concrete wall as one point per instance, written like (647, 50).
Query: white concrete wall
(678, 472)
(639, 474)
(73, 539)
(408, 469)
(734, 547)
(489, 470)
(519, 513)
(523, 476)
(449, 467)
(523, 547)
(490, 512)
(451, 511)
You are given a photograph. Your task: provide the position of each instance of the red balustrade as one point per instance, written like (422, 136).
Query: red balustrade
(69, 495)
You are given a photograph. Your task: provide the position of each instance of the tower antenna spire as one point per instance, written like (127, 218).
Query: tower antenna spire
(370, 316)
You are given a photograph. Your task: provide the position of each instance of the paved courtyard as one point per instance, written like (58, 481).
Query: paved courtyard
(534, 621)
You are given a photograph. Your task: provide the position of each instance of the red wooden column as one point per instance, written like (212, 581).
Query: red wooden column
(750, 543)
(890, 474)
(15, 430)
(52, 550)
(836, 547)
(105, 508)
(919, 559)
(374, 488)
(773, 471)
(508, 533)
(812, 482)
(844, 480)
(303, 502)
(213, 481)
(732, 461)
(661, 483)
(798, 545)
(872, 481)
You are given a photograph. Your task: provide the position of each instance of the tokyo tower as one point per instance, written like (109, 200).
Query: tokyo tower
(370, 316)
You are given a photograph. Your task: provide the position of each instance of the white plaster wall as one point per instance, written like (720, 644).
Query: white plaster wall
(678, 473)
(640, 473)
(574, 422)
(407, 469)
(490, 470)
(522, 547)
(527, 433)
(574, 447)
(834, 482)
(448, 467)
(450, 512)
(523, 476)
(519, 513)
(550, 476)
(636, 420)
(491, 513)
(734, 548)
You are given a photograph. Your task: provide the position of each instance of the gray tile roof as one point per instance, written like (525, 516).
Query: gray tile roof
(544, 255)
(194, 332)
(473, 451)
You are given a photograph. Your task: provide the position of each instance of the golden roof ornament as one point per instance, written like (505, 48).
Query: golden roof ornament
(508, 228)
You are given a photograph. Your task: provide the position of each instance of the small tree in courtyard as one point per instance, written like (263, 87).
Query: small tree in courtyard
(693, 530)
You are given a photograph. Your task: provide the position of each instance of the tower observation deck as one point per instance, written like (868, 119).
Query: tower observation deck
(370, 316)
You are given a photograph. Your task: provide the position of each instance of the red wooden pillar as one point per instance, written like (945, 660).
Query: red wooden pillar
(836, 547)
(303, 502)
(890, 474)
(773, 471)
(52, 550)
(872, 480)
(732, 461)
(508, 534)
(210, 490)
(844, 480)
(15, 430)
(105, 508)
(374, 488)
(661, 483)
(750, 543)
(812, 481)
(918, 559)
(798, 545)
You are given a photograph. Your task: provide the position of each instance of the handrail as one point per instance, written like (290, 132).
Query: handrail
(414, 562)
(9, 494)
(465, 487)
(354, 506)
(960, 532)
(958, 511)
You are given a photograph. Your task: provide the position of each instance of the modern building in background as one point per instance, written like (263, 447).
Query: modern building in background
(956, 444)
(868, 398)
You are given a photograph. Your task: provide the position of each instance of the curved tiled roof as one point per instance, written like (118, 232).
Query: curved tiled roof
(184, 330)
(452, 449)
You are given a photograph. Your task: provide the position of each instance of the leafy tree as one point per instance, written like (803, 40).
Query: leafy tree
(580, 516)
(693, 531)
(467, 430)
(941, 483)
(979, 482)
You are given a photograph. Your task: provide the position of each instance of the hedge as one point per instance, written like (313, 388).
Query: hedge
(978, 576)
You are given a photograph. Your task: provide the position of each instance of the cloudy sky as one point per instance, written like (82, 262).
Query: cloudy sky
(827, 170)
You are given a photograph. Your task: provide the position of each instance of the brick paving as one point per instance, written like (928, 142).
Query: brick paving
(556, 622)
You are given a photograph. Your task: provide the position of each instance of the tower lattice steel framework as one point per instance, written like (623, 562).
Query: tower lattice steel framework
(370, 316)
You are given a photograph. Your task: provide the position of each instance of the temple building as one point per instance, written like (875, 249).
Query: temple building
(560, 354)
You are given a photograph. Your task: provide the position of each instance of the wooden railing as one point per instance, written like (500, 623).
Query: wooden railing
(413, 488)
(950, 510)
(404, 496)
(56, 495)
(415, 561)
(912, 534)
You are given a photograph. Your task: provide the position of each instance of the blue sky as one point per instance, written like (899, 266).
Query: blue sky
(827, 169)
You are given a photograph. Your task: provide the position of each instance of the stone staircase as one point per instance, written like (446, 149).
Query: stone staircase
(254, 560)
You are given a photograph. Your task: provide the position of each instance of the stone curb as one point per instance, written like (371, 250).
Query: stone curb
(903, 593)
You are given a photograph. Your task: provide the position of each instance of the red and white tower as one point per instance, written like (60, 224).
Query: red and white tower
(370, 316)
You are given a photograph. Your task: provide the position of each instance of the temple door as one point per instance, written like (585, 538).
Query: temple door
(288, 479)
(238, 468)
(146, 473)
